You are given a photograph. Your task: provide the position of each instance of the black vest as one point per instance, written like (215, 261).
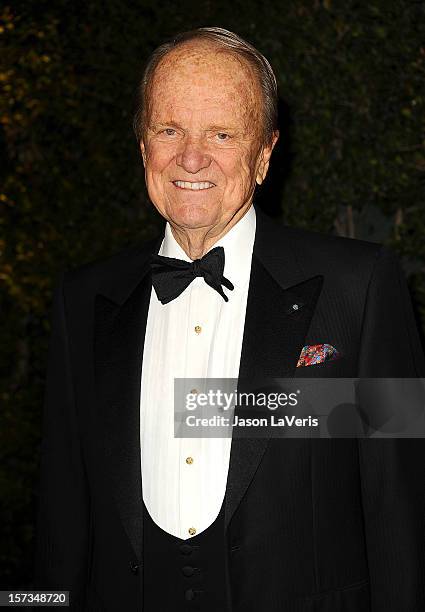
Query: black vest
(185, 575)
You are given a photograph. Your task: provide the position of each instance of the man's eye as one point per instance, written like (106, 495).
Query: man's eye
(223, 136)
(169, 131)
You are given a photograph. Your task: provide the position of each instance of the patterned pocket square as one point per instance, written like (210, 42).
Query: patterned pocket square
(317, 353)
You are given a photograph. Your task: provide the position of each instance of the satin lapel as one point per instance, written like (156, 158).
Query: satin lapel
(120, 324)
(281, 303)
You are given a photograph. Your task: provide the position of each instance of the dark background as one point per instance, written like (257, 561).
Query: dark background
(350, 161)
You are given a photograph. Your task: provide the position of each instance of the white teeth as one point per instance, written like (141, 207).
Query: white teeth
(195, 186)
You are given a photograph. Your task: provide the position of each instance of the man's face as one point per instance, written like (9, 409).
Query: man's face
(202, 149)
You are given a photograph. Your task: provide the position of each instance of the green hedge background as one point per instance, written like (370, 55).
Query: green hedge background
(351, 161)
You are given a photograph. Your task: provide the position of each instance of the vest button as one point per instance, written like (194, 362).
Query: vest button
(189, 594)
(188, 570)
(134, 566)
(186, 549)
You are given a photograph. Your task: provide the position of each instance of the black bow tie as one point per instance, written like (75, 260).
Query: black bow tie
(171, 276)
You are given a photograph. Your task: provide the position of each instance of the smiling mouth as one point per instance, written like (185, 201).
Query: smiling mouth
(193, 186)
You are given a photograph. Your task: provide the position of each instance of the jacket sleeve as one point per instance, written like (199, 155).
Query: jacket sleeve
(392, 469)
(61, 541)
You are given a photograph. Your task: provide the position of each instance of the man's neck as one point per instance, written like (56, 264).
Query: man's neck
(197, 242)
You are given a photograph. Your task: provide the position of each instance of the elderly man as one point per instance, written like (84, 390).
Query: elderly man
(131, 517)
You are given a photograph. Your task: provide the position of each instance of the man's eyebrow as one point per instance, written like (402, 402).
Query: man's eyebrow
(210, 128)
(223, 128)
(162, 123)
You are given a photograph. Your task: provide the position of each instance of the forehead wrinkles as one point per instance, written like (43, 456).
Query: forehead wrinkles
(206, 77)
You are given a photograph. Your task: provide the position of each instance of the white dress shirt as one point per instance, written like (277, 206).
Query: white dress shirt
(184, 479)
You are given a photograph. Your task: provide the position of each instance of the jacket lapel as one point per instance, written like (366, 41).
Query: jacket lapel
(280, 305)
(121, 310)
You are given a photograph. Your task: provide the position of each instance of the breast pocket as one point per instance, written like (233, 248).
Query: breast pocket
(336, 368)
(352, 598)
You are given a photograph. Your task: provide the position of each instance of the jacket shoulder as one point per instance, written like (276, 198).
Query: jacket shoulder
(321, 241)
(315, 248)
(338, 254)
(92, 276)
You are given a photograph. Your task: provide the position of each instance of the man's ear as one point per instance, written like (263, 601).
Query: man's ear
(265, 158)
(143, 151)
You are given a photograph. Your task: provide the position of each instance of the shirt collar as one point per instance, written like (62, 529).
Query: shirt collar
(238, 244)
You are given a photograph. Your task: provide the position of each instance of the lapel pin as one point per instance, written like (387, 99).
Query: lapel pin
(295, 306)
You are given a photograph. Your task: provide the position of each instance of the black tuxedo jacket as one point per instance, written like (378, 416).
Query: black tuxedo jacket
(312, 524)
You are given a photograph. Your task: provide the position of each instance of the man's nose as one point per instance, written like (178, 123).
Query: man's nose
(192, 157)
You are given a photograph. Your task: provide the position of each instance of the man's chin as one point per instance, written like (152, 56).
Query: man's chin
(193, 216)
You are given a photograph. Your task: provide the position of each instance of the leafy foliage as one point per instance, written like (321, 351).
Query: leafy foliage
(350, 160)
